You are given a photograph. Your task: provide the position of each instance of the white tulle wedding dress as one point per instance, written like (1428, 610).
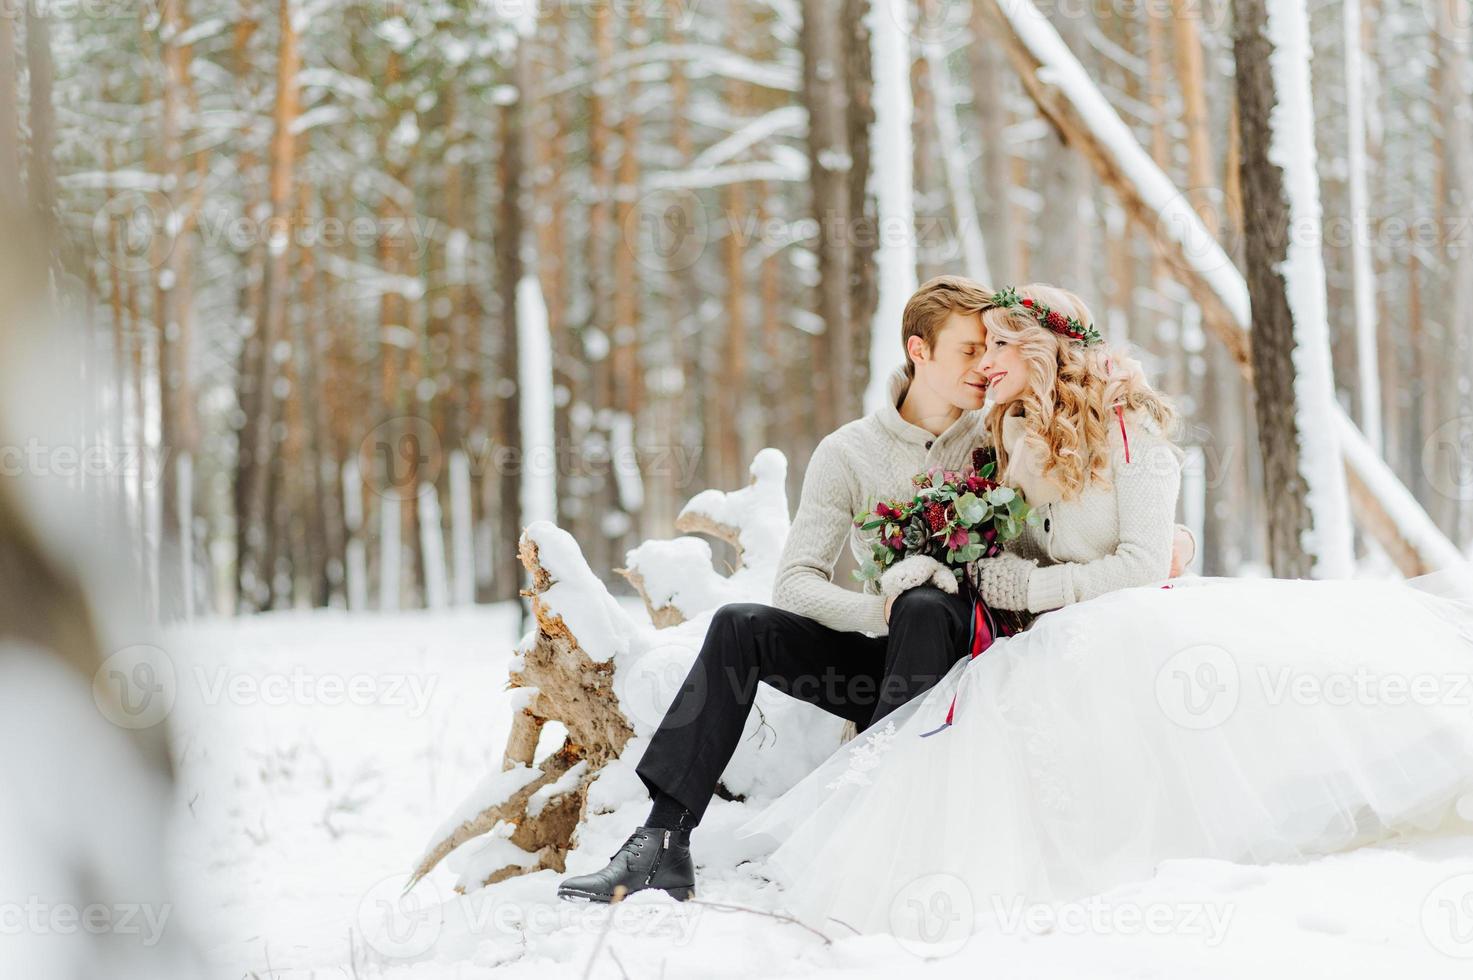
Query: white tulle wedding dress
(1252, 720)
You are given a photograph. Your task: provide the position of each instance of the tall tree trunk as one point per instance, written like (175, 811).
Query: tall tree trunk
(173, 305)
(42, 123)
(892, 185)
(1164, 336)
(1304, 477)
(735, 448)
(318, 471)
(1063, 252)
(249, 364)
(923, 151)
(1456, 154)
(552, 260)
(628, 341)
(963, 207)
(10, 185)
(1363, 276)
(598, 328)
(681, 408)
(253, 562)
(862, 211)
(826, 180)
(509, 225)
(990, 91)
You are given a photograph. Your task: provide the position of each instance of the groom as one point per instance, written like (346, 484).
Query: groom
(858, 655)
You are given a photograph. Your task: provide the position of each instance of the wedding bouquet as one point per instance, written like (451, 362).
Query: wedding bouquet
(955, 517)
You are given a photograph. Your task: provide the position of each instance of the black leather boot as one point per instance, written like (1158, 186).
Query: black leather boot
(652, 857)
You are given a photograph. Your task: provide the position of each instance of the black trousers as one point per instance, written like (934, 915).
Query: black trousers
(855, 676)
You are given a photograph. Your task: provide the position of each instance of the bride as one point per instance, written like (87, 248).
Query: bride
(1135, 720)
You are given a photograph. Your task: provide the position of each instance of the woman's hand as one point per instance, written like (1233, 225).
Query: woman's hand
(1002, 581)
(1183, 550)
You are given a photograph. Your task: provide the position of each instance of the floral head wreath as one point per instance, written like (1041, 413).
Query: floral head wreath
(1067, 326)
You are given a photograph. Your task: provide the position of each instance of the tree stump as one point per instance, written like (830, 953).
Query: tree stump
(584, 646)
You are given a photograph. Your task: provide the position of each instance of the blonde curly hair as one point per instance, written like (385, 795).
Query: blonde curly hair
(1072, 391)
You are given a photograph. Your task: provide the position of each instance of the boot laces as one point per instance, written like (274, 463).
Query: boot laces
(636, 840)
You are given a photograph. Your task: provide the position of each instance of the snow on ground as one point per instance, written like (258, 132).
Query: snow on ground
(318, 751)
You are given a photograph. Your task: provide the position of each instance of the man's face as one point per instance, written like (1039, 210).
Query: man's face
(952, 368)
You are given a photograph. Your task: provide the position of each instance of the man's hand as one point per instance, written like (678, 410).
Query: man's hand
(1183, 550)
(907, 573)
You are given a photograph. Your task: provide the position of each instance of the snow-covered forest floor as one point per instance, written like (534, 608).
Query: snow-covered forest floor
(317, 752)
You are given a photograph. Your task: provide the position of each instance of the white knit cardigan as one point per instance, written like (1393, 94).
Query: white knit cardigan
(1106, 537)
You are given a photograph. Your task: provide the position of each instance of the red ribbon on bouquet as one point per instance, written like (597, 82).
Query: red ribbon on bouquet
(984, 629)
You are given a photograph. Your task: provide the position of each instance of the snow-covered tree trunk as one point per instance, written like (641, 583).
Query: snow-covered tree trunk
(511, 223)
(539, 467)
(1309, 532)
(1454, 432)
(893, 188)
(355, 565)
(958, 181)
(1368, 365)
(462, 530)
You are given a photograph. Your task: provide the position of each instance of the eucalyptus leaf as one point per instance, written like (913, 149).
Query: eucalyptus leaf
(970, 510)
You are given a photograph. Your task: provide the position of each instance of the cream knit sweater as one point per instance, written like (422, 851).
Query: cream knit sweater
(858, 463)
(1089, 545)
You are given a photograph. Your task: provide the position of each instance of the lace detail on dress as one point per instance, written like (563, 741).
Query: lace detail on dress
(865, 757)
(1042, 762)
(1075, 647)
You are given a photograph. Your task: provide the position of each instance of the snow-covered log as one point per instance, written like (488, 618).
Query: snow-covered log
(676, 578)
(608, 678)
(1066, 96)
(559, 678)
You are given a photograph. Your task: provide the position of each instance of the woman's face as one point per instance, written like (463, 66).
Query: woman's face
(1004, 369)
